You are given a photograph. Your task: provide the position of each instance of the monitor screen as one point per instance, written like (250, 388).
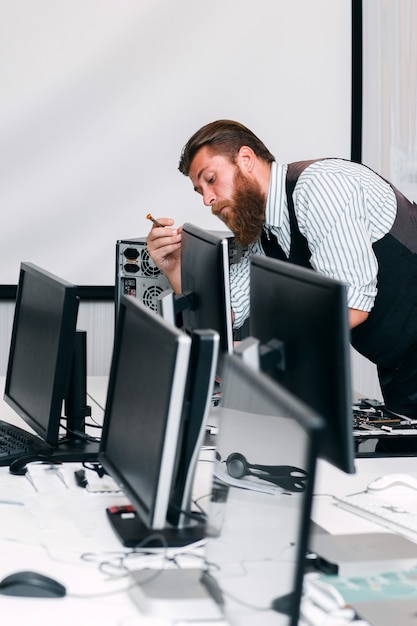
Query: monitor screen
(307, 314)
(259, 515)
(154, 422)
(46, 373)
(205, 298)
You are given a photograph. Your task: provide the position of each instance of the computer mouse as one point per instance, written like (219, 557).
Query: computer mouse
(31, 585)
(394, 484)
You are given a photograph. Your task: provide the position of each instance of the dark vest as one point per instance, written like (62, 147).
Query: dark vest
(389, 335)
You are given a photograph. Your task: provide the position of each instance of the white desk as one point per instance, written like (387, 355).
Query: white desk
(336, 521)
(55, 525)
(47, 534)
(49, 528)
(330, 481)
(49, 531)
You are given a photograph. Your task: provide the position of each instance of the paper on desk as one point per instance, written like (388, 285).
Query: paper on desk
(18, 524)
(56, 512)
(16, 521)
(101, 485)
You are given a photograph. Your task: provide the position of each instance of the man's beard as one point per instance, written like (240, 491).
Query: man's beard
(246, 217)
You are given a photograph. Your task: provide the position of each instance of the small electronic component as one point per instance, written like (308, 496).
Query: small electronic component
(152, 219)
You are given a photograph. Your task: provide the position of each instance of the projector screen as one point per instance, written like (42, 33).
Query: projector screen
(98, 98)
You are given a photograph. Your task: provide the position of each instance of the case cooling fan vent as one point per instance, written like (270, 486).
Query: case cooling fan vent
(149, 296)
(148, 267)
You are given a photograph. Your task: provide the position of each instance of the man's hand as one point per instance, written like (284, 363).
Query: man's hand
(164, 246)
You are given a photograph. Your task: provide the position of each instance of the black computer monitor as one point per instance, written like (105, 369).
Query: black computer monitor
(307, 314)
(46, 373)
(159, 392)
(205, 298)
(259, 516)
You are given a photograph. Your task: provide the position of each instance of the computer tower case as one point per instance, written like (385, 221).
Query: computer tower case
(138, 276)
(136, 273)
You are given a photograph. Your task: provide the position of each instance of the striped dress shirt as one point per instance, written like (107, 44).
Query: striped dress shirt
(342, 208)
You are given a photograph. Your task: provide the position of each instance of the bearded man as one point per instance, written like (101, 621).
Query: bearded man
(333, 215)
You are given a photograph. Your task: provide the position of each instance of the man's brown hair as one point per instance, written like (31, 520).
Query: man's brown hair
(223, 137)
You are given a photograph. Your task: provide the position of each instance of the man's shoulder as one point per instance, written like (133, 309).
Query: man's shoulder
(332, 166)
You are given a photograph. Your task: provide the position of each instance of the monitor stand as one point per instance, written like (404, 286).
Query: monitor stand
(68, 453)
(133, 532)
(73, 451)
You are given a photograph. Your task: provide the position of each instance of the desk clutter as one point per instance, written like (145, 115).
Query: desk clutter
(52, 526)
(387, 598)
(370, 415)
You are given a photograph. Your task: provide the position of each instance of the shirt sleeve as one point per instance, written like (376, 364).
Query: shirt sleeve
(239, 289)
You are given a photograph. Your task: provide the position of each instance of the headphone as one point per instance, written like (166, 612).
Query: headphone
(287, 477)
(18, 467)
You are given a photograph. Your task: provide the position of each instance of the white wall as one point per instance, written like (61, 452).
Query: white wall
(99, 96)
(389, 137)
(390, 91)
(97, 318)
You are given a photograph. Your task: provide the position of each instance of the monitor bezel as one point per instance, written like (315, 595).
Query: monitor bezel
(46, 427)
(152, 514)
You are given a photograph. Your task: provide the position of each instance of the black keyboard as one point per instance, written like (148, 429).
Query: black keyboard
(15, 442)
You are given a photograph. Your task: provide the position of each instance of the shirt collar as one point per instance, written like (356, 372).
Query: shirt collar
(276, 201)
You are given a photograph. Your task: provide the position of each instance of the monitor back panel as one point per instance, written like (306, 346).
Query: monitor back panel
(258, 528)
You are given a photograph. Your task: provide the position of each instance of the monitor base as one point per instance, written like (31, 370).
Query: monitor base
(67, 453)
(76, 450)
(132, 532)
(284, 604)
